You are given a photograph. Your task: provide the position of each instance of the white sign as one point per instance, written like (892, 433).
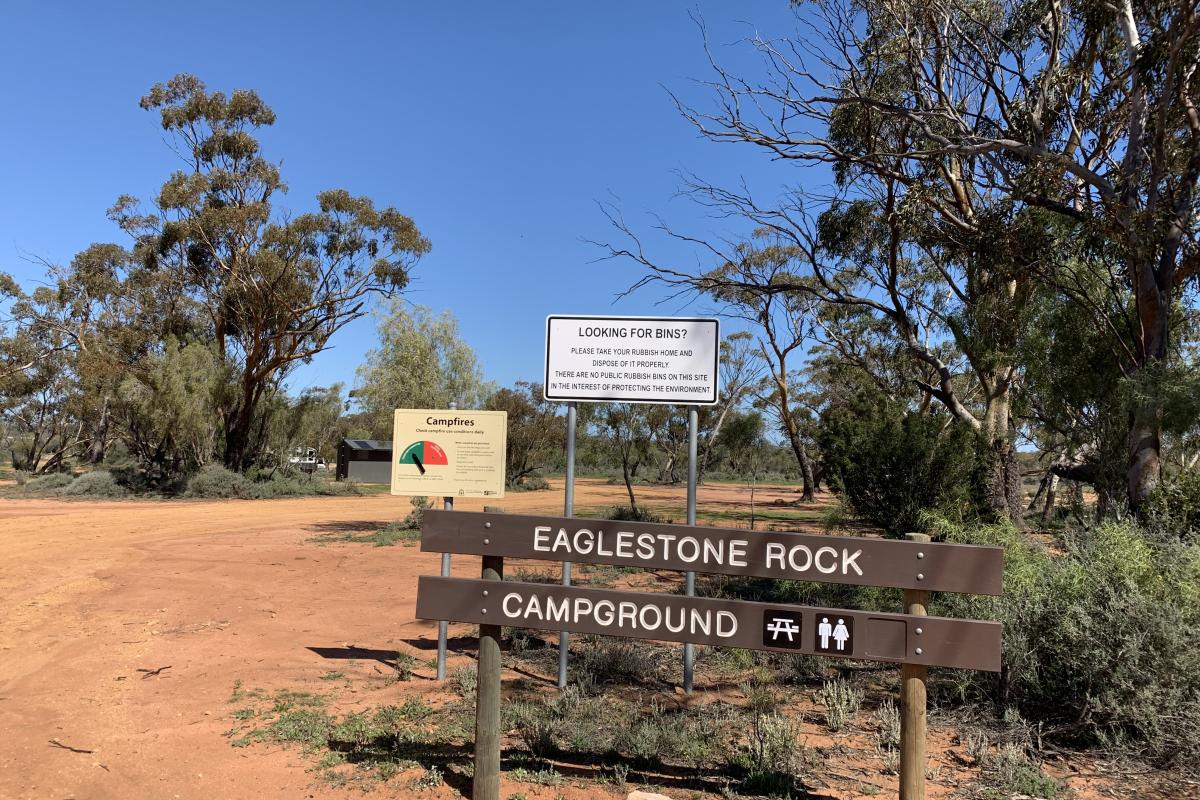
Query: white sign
(449, 453)
(632, 359)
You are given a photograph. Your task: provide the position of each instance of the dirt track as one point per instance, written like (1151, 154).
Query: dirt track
(127, 625)
(94, 595)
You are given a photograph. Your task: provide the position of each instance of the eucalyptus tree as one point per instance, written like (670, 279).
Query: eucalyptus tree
(421, 362)
(740, 369)
(268, 289)
(536, 432)
(990, 119)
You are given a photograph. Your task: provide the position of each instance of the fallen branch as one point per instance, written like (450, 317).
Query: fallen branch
(57, 743)
(147, 673)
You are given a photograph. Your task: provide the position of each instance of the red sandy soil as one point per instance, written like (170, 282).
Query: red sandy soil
(126, 625)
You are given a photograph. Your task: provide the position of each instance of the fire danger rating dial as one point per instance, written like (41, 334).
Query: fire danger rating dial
(424, 454)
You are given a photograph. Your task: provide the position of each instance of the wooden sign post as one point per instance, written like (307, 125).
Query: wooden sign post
(913, 639)
(913, 700)
(487, 694)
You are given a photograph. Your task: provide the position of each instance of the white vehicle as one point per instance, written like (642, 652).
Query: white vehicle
(306, 459)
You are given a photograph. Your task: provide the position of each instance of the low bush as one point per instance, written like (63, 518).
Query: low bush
(49, 484)
(774, 756)
(1099, 640)
(301, 487)
(214, 482)
(415, 517)
(1175, 507)
(605, 659)
(530, 483)
(841, 700)
(100, 483)
(627, 514)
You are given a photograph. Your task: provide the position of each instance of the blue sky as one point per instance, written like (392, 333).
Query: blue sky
(497, 127)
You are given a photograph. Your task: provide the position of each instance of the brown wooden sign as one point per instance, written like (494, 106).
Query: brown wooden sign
(900, 638)
(935, 567)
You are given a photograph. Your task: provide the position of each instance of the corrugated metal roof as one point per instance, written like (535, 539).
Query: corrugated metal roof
(367, 444)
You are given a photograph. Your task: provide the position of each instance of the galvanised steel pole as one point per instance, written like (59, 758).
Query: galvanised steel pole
(693, 423)
(443, 625)
(564, 639)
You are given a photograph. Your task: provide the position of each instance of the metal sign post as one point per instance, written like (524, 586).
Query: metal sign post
(664, 360)
(689, 654)
(444, 625)
(564, 638)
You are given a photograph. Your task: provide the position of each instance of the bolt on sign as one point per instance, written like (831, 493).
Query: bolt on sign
(632, 359)
(930, 641)
(443, 453)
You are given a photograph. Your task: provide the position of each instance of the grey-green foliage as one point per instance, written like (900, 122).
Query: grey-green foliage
(607, 658)
(100, 483)
(268, 290)
(1099, 640)
(168, 407)
(47, 484)
(841, 700)
(421, 362)
(214, 482)
(416, 517)
(313, 419)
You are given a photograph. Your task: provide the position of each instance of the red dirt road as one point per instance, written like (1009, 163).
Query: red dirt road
(96, 595)
(127, 624)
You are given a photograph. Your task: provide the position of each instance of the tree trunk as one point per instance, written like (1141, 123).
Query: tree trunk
(1153, 298)
(801, 451)
(1145, 447)
(629, 485)
(100, 436)
(1003, 490)
(237, 429)
(710, 441)
(1051, 490)
(1041, 491)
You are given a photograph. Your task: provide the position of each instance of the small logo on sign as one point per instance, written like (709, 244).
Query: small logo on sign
(782, 629)
(834, 635)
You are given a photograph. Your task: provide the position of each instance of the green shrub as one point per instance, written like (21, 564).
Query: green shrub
(49, 484)
(1175, 506)
(536, 726)
(100, 483)
(607, 658)
(214, 482)
(531, 483)
(300, 487)
(892, 465)
(1011, 770)
(416, 517)
(627, 514)
(774, 757)
(1099, 641)
(841, 700)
